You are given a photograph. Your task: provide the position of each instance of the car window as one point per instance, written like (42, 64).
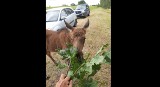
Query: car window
(87, 6)
(63, 13)
(69, 11)
(81, 7)
(52, 16)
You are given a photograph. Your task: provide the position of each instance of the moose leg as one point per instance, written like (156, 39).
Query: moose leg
(80, 57)
(49, 55)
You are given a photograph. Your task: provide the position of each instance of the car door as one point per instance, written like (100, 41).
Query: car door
(64, 14)
(70, 16)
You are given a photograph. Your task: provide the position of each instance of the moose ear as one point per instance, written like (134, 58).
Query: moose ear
(86, 25)
(68, 25)
(84, 30)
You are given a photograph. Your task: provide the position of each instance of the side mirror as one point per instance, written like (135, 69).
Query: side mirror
(63, 17)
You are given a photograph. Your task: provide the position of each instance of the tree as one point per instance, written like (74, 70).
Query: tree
(72, 4)
(64, 5)
(81, 2)
(105, 3)
(98, 5)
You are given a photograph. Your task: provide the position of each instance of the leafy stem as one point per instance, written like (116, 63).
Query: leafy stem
(78, 69)
(81, 65)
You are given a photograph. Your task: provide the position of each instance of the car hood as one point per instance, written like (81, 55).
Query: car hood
(50, 25)
(78, 10)
(54, 25)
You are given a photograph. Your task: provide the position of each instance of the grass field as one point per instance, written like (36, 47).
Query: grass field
(73, 7)
(98, 33)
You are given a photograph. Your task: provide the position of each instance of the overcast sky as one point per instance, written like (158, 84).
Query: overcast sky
(68, 2)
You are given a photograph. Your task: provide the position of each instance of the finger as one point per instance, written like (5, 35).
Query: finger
(62, 76)
(70, 83)
(67, 82)
(67, 78)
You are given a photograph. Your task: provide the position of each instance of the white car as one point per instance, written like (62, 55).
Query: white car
(55, 18)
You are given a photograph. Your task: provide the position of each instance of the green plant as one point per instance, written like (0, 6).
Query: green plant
(82, 72)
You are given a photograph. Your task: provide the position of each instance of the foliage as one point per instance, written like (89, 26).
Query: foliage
(81, 2)
(83, 72)
(72, 4)
(105, 3)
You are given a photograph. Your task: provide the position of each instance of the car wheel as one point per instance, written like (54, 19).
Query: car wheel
(75, 23)
(85, 15)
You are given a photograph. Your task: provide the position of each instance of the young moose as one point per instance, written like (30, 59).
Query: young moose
(58, 39)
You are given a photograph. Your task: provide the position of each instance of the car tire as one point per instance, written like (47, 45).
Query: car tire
(75, 23)
(85, 15)
(89, 14)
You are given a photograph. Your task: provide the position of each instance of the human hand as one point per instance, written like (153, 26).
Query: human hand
(64, 81)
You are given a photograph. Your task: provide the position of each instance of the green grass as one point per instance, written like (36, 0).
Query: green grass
(99, 33)
(92, 7)
(73, 7)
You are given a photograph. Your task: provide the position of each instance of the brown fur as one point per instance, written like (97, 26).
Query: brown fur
(58, 39)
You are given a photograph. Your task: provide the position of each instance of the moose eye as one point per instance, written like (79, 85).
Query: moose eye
(83, 38)
(77, 35)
